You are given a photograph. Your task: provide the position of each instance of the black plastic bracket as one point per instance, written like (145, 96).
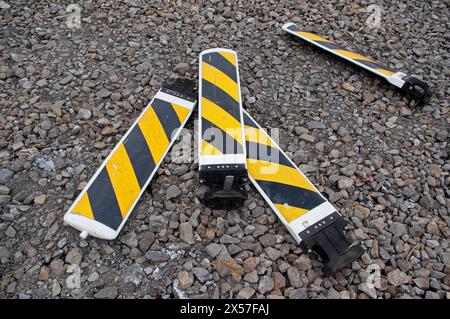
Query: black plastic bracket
(416, 90)
(225, 185)
(327, 239)
(182, 88)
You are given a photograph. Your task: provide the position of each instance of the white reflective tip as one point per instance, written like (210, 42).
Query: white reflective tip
(217, 50)
(287, 25)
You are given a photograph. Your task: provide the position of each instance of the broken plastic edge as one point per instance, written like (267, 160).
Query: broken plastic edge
(416, 90)
(88, 226)
(327, 239)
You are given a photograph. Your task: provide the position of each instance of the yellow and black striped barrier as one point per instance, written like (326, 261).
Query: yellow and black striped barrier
(416, 90)
(310, 218)
(232, 148)
(222, 164)
(105, 203)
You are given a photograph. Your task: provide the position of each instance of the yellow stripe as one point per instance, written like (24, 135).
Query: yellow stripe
(221, 80)
(274, 172)
(255, 135)
(209, 149)
(386, 72)
(356, 56)
(353, 55)
(154, 134)
(290, 212)
(123, 179)
(348, 54)
(181, 111)
(83, 207)
(222, 119)
(229, 56)
(313, 36)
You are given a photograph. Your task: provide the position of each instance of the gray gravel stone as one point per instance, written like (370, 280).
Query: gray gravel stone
(252, 276)
(4, 190)
(265, 284)
(432, 295)
(185, 279)
(214, 249)
(74, 256)
(103, 93)
(85, 114)
(246, 293)
(4, 5)
(300, 293)
(172, 192)
(130, 239)
(268, 240)
(227, 239)
(69, 95)
(181, 67)
(345, 182)
(397, 228)
(273, 253)
(201, 274)
(133, 275)
(146, 241)
(446, 258)
(5, 254)
(316, 125)
(303, 263)
(106, 293)
(186, 233)
(157, 256)
(397, 278)
(156, 223)
(294, 277)
(5, 175)
(368, 290)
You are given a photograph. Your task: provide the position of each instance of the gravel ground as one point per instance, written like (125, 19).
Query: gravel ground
(68, 95)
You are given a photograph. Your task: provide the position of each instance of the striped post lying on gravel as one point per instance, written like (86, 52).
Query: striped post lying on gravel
(307, 214)
(222, 165)
(106, 202)
(415, 89)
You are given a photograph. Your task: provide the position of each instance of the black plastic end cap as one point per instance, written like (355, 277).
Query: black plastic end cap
(416, 90)
(225, 185)
(228, 200)
(327, 239)
(182, 86)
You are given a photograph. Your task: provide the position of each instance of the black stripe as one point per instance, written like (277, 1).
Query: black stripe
(261, 151)
(167, 116)
(375, 65)
(267, 153)
(104, 202)
(370, 64)
(249, 121)
(139, 154)
(219, 62)
(294, 28)
(291, 195)
(331, 45)
(220, 139)
(181, 95)
(221, 98)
